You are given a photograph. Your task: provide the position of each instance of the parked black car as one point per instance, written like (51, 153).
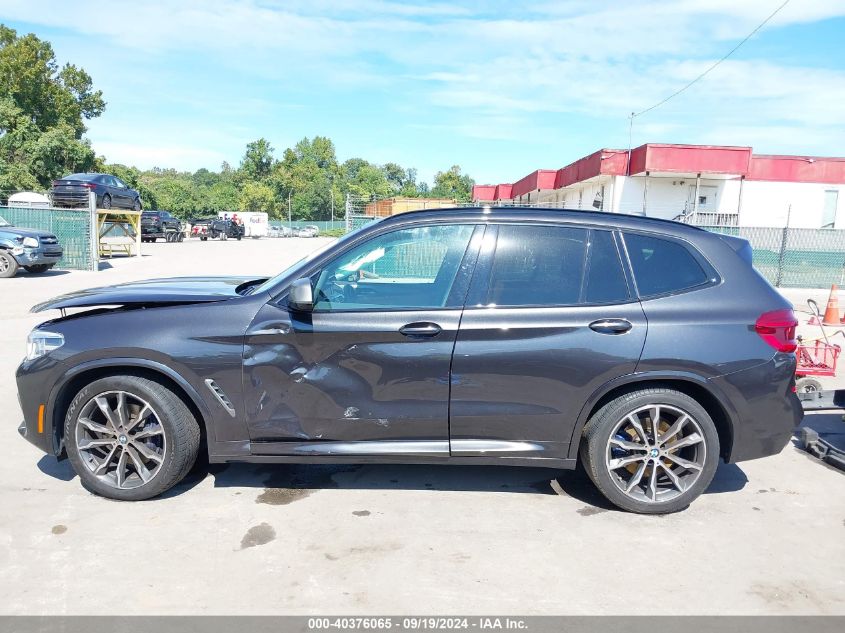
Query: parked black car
(160, 224)
(33, 250)
(72, 191)
(222, 229)
(647, 349)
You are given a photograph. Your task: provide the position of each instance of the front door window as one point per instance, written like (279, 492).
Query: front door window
(408, 269)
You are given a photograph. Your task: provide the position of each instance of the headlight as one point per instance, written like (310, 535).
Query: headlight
(30, 242)
(39, 343)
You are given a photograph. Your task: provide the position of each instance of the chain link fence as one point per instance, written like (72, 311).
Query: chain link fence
(72, 227)
(794, 258)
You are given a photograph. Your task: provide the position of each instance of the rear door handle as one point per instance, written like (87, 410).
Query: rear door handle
(421, 329)
(611, 326)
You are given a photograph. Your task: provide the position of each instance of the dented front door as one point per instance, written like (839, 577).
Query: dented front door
(349, 383)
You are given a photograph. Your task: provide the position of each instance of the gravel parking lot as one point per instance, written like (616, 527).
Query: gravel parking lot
(767, 538)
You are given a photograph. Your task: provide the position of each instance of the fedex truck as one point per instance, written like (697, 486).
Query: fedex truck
(256, 223)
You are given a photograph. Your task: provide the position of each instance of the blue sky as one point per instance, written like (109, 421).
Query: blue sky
(501, 88)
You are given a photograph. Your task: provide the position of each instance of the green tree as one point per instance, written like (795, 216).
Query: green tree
(257, 162)
(223, 196)
(256, 196)
(452, 184)
(42, 114)
(30, 76)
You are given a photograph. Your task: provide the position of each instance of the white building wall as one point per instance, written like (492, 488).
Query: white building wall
(763, 203)
(768, 204)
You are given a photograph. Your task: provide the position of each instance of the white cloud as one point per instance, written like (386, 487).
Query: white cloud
(147, 156)
(477, 68)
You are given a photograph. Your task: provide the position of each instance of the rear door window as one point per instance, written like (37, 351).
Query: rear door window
(537, 265)
(604, 281)
(555, 266)
(662, 266)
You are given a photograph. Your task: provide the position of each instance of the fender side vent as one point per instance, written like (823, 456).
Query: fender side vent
(221, 397)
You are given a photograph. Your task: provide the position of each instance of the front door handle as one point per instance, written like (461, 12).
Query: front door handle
(421, 329)
(611, 326)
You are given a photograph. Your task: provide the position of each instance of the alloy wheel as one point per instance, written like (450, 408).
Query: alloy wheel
(4, 264)
(121, 440)
(656, 453)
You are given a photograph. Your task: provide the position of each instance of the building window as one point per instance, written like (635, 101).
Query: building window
(831, 202)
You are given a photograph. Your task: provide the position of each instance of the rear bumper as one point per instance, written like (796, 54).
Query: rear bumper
(767, 411)
(71, 199)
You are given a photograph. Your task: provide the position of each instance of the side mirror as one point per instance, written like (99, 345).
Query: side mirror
(300, 296)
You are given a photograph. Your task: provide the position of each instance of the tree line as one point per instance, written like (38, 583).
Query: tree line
(43, 109)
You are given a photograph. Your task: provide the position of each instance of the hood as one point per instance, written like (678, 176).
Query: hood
(178, 290)
(16, 230)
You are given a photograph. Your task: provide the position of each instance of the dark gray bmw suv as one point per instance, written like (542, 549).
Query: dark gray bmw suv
(646, 349)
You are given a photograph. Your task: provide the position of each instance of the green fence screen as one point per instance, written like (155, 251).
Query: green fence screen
(794, 258)
(71, 226)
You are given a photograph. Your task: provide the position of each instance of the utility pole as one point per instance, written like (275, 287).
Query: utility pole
(332, 192)
(290, 223)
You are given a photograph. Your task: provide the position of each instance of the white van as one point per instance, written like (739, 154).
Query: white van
(256, 223)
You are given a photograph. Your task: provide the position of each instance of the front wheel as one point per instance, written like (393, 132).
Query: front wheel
(8, 265)
(137, 204)
(651, 451)
(130, 438)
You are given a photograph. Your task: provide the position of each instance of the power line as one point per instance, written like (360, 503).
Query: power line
(706, 72)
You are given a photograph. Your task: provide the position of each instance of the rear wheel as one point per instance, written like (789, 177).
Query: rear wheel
(107, 201)
(8, 265)
(130, 438)
(652, 451)
(806, 384)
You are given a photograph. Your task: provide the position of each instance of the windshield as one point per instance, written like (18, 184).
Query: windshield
(274, 281)
(3, 221)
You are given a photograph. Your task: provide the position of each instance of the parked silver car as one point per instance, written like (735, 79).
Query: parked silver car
(308, 231)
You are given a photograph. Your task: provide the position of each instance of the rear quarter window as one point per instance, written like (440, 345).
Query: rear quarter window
(662, 266)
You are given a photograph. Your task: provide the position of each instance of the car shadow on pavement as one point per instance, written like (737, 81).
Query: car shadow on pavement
(47, 273)
(56, 469)
(291, 481)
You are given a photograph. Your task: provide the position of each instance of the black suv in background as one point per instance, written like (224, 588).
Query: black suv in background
(111, 191)
(160, 224)
(646, 349)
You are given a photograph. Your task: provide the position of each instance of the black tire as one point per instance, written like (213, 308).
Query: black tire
(137, 204)
(805, 384)
(180, 430)
(180, 237)
(594, 449)
(203, 239)
(37, 269)
(168, 237)
(8, 265)
(106, 201)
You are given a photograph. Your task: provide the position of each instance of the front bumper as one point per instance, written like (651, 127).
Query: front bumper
(35, 380)
(38, 256)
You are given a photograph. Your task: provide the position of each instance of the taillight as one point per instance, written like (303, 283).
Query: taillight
(89, 185)
(777, 328)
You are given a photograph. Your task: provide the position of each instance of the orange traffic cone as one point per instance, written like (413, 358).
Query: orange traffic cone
(831, 313)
